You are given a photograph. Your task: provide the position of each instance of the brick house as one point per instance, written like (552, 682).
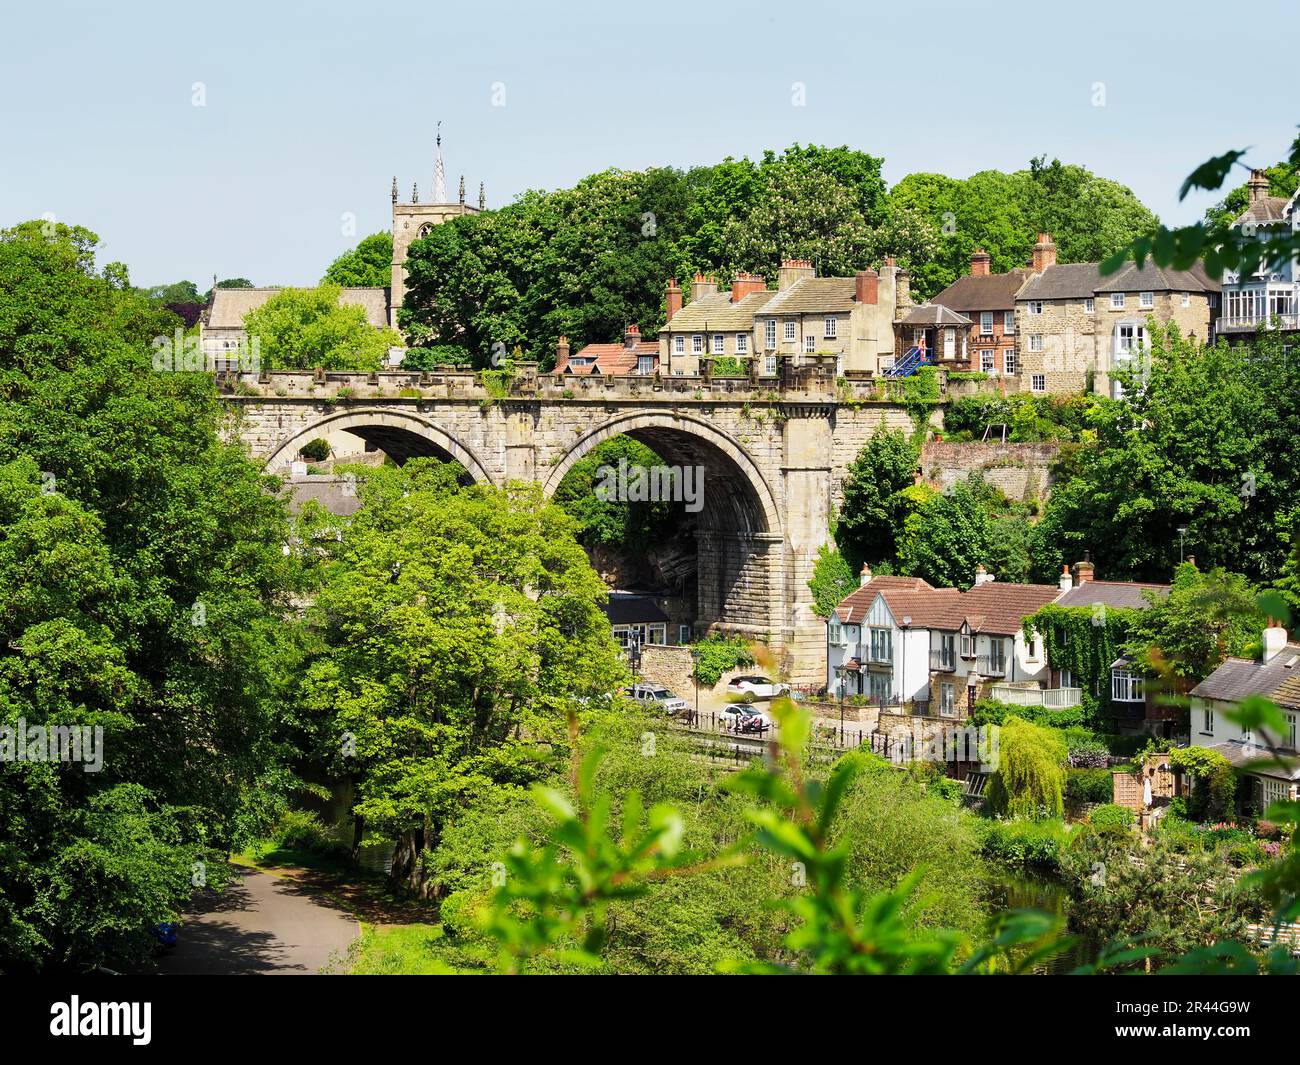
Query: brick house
(632, 356)
(989, 301)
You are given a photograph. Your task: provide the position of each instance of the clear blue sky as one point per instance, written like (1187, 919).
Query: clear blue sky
(312, 108)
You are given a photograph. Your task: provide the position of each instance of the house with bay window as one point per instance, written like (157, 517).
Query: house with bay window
(898, 641)
(1265, 294)
(1274, 675)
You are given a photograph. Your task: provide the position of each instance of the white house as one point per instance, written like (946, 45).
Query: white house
(898, 640)
(1276, 676)
(1268, 293)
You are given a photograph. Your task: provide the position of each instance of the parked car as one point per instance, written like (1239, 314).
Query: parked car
(741, 718)
(751, 688)
(654, 695)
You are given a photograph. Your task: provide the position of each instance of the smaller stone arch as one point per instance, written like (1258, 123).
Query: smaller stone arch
(406, 432)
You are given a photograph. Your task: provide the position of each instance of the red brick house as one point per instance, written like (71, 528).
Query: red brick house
(989, 301)
(633, 356)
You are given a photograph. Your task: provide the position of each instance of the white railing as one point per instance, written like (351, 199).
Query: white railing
(1049, 698)
(1250, 321)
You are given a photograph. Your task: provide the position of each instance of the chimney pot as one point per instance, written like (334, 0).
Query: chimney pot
(674, 299)
(865, 577)
(1044, 253)
(631, 336)
(1066, 582)
(702, 286)
(1083, 571)
(794, 270)
(1258, 185)
(561, 352)
(1275, 637)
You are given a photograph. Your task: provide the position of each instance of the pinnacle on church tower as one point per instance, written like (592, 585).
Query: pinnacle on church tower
(394, 188)
(415, 192)
(462, 190)
(481, 199)
(439, 174)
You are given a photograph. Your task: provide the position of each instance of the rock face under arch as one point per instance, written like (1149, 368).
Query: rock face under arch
(774, 465)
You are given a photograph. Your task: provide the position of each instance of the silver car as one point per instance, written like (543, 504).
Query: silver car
(654, 695)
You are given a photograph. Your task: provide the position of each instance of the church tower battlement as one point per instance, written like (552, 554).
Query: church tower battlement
(414, 220)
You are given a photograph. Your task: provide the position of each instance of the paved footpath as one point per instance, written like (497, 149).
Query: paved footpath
(261, 924)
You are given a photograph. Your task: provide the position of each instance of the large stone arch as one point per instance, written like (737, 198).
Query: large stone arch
(401, 434)
(742, 502)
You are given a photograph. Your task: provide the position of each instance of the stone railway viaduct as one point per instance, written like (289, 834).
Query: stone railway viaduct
(774, 453)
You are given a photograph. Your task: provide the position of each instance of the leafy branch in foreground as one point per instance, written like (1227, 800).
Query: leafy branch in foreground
(1220, 247)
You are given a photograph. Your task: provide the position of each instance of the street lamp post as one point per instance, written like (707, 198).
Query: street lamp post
(695, 676)
(1182, 535)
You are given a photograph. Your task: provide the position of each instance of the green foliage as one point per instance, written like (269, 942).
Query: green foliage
(1027, 417)
(1111, 818)
(631, 526)
(1214, 784)
(452, 621)
(873, 509)
(317, 450)
(1025, 844)
(300, 830)
(1083, 640)
(1089, 786)
(1206, 618)
(304, 328)
(832, 580)
(718, 654)
(1030, 780)
(368, 265)
(435, 355)
(142, 590)
(946, 538)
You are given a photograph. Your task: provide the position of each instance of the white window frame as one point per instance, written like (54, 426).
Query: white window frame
(697, 344)
(742, 343)
(1207, 720)
(1008, 323)
(947, 699)
(1035, 306)
(1037, 382)
(835, 633)
(679, 344)
(1089, 306)
(1009, 362)
(986, 323)
(645, 364)
(683, 633)
(769, 365)
(810, 343)
(1146, 299)
(831, 328)
(1117, 301)
(719, 344)
(988, 363)
(1187, 299)
(1127, 686)
(1035, 341)
(769, 334)
(791, 330)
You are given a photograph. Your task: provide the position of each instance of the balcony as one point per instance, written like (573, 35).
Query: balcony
(1048, 698)
(943, 661)
(987, 666)
(1251, 322)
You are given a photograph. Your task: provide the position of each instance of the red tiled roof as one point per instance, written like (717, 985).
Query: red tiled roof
(609, 358)
(854, 606)
(993, 607)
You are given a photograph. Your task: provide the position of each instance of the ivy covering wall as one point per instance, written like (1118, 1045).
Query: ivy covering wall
(1084, 640)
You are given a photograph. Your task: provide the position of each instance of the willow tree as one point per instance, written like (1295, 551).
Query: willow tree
(1030, 780)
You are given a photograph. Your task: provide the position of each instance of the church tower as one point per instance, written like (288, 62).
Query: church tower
(414, 220)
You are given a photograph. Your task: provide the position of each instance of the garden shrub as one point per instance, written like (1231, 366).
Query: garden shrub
(1088, 786)
(317, 450)
(1025, 843)
(1111, 818)
(301, 830)
(1030, 780)
(718, 654)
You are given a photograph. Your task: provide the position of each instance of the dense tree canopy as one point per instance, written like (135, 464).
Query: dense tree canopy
(368, 265)
(303, 328)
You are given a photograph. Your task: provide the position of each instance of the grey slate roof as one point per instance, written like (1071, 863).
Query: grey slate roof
(1240, 677)
(628, 608)
(229, 305)
(1265, 209)
(815, 295)
(1127, 594)
(996, 292)
(935, 314)
(716, 313)
(1259, 758)
(1081, 280)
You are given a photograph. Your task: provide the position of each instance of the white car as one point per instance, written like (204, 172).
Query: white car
(751, 688)
(654, 695)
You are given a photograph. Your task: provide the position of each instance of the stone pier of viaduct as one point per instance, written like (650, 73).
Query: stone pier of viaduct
(774, 454)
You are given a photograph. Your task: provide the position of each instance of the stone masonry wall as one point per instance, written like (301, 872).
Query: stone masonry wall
(1021, 471)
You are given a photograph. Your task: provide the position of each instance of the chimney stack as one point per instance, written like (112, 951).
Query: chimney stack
(1083, 571)
(865, 578)
(902, 289)
(703, 286)
(793, 270)
(1066, 582)
(561, 351)
(1258, 185)
(674, 299)
(979, 263)
(982, 576)
(1044, 253)
(867, 286)
(1274, 640)
(631, 336)
(743, 284)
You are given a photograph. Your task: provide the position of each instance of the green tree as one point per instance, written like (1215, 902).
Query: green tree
(948, 536)
(368, 265)
(873, 510)
(610, 522)
(304, 328)
(831, 581)
(454, 621)
(1030, 778)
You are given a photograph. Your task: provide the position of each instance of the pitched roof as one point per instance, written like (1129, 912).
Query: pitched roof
(994, 292)
(1240, 677)
(229, 305)
(854, 606)
(815, 295)
(993, 607)
(1239, 753)
(1265, 209)
(1127, 594)
(608, 358)
(1081, 280)
(935, 314)
(716, 313)
(628, 608)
